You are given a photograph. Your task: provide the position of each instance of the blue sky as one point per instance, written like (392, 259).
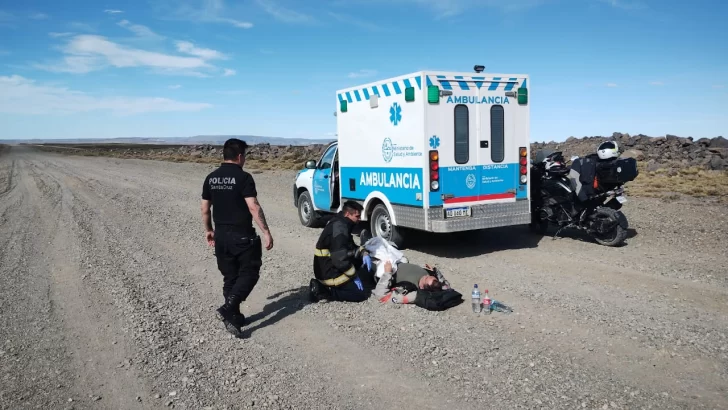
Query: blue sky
(166, 68)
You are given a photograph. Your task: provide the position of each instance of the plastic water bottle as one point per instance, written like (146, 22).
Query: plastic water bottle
(476, 299)
(486, 303)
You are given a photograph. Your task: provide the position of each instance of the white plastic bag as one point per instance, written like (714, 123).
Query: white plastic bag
(380, 249)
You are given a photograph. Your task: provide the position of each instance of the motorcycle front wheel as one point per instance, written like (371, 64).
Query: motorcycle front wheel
(615, 236)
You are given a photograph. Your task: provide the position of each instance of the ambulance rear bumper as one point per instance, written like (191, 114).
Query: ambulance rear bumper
(482, 217)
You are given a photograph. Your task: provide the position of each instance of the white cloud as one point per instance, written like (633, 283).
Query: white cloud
(451, 8)
(362, 73)
(175, 87)
(657, 83)
(39, 16)
(612, 85)
(112, 11)
(204, 53)
(625, 4)
(346, 19)
(283, 14)
(139, 30)
(211, 11)
(56, 35)
(718, 86)
(237, 23)
(85, 53)
(229, 72)
(24, 96)
(82, 27)
(233, 92)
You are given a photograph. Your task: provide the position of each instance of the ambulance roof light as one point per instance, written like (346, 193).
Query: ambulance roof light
(479, 68)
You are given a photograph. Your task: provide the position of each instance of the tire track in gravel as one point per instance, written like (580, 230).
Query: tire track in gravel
(6, 175)
(109, 373)
(589, 314)
(607, 342)
(89, 333)
(39, 369)
(302, 255)
(315, 354)
(577, 339)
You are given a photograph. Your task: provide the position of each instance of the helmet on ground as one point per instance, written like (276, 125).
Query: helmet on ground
(608, 149)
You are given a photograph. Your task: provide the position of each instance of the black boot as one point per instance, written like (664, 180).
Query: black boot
(230, 315)
(317, 291)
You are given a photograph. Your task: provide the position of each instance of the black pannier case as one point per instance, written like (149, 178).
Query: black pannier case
(618, 171)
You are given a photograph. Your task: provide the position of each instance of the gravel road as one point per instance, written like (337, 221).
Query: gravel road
(108, 292)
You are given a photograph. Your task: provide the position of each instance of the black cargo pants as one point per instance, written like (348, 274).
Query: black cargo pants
(353, 292)
(239, 259)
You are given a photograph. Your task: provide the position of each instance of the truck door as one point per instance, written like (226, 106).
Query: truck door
(498, 150)
(323, 181)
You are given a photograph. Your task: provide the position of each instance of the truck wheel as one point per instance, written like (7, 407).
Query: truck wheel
(306, 213)
(381, 225)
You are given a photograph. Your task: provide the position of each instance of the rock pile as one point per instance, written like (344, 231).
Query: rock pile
(263, 151)
(669, 152)
(283, 156)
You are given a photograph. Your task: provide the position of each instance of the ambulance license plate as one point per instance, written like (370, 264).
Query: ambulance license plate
(457, 212)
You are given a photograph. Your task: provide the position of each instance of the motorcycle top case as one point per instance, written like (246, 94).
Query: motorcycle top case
(617, 171)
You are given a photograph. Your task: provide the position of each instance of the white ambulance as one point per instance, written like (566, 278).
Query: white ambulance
(430, 151)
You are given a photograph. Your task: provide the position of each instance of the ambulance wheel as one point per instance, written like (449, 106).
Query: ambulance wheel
(306, 213)
(381, 225)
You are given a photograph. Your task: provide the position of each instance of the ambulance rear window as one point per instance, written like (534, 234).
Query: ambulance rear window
(497, 133)
(462, 134)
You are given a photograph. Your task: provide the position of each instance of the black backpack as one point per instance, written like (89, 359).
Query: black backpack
(438, 300)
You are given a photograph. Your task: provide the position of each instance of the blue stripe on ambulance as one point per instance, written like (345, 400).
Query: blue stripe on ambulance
(399, 185)
(494, 179)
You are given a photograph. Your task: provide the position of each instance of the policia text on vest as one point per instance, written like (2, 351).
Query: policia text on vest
(230, 197)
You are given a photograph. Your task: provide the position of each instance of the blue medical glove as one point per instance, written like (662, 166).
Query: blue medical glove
(367, 261)
(358, 283)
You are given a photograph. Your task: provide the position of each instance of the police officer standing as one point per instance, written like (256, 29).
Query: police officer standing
(343, 271)
(232, 195)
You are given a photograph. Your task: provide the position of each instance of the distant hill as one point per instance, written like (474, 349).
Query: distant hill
(194, 140)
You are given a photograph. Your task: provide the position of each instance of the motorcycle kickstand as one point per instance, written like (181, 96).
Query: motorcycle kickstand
(559, 231)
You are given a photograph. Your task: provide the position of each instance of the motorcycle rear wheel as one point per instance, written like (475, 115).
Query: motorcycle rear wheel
(616, 236)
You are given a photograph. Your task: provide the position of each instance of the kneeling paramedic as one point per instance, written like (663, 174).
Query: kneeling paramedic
(342, 270)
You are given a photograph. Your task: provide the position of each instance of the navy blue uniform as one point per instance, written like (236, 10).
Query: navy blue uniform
(238, 248)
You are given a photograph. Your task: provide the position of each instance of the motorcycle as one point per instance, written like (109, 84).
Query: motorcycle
(588, 195)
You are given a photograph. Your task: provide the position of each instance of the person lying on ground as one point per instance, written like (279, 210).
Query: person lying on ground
(401, 287)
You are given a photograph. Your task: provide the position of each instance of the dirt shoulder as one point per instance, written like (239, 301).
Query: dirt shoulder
(108, 292)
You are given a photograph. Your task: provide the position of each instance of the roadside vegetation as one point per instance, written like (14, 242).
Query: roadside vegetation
(666, 183)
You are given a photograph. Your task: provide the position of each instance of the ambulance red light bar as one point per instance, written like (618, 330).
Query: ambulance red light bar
(434, 171)
(523, 162)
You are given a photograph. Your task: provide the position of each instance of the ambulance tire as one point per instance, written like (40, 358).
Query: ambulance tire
(381, 225)
(306, 214)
